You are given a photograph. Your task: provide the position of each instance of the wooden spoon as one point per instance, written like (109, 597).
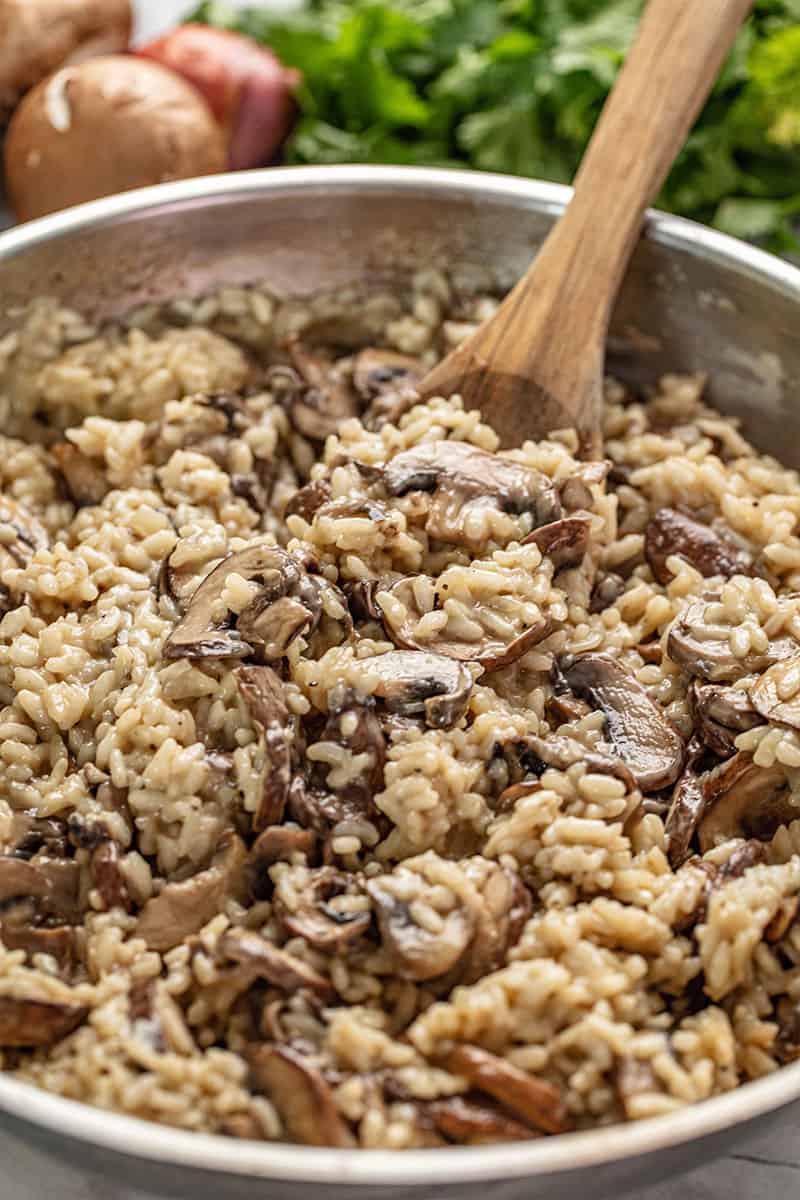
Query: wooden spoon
(537, 363)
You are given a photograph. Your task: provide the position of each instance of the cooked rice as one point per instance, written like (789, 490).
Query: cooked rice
(491, 879)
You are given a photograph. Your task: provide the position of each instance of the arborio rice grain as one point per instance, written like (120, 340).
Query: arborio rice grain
(360, 785)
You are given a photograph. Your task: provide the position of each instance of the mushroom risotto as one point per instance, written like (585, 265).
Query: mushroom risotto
(361, 784)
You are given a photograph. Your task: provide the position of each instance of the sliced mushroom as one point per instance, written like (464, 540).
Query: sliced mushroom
(493, 643)
(385, 372)
(475, 1121)
(184, 907)
(564, 710)
(564, 542)
(575, 492)
(418, 952)
(352, 725)
(466, 481)
(750, 854)
(720, 714)
(52, 883)
(670, 532)
(86, 482)
(360, 594)
(58, 941)
(287, 604)
(276, 966)
(413, 682)
(21, 534)
(307, 500)
(776, 694)
(564, 752)
(32, 1019)
(278, 843)
(743, 799)
(324, 398)
(108, 878)
(178, 583)
(537, 1102)
(787, 1042)
(644, 739)
(606, 592)
(703, 648)
(687, 807)
(301, 1095)
(262, 692)
(500, 915)
(323, 924)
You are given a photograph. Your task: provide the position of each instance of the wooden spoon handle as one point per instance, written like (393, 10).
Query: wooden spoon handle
(680, 48)
(537, 364)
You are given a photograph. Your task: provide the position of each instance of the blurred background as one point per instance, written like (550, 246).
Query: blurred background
(500, 85)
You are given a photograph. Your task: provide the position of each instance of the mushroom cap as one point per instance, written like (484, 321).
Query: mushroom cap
(36, 36)
(106, 126)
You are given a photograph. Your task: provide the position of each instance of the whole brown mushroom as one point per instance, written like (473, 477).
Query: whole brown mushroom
(37, 36)
(106, 126)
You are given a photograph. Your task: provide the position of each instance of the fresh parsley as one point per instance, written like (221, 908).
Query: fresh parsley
(516, 86)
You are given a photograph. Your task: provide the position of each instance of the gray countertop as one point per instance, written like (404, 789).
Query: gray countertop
(767, 1168)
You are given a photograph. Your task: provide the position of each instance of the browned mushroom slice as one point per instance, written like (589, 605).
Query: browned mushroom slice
(495, 643)
(21, 534)
(86, 482)
(475, 1121)
(108, 878)
(465, 481)
(564, 752)
(360, 595)
(750, 854)
(279, 842)
(415, 682)
(564, 542)
(353, 725)
(21, 878)
(305, 502)
(703, 649)
(51, 882)
(317, 918)
(606, 592)
(182, 908)
(687, 807)
(669, 532)
(276, 966)
(29, 1020)
(301, 1095)
(324, 401)
(262, 692)
(564, 710)
(636, 726)
(743, 799)
(500, 915)
(287, 604)
(776, 694)
(418, 951)
(56, 940)
(720, 714)
(537, 1102)
(575, 492)
(787, 1042)
(381, 372)
(178, 583)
